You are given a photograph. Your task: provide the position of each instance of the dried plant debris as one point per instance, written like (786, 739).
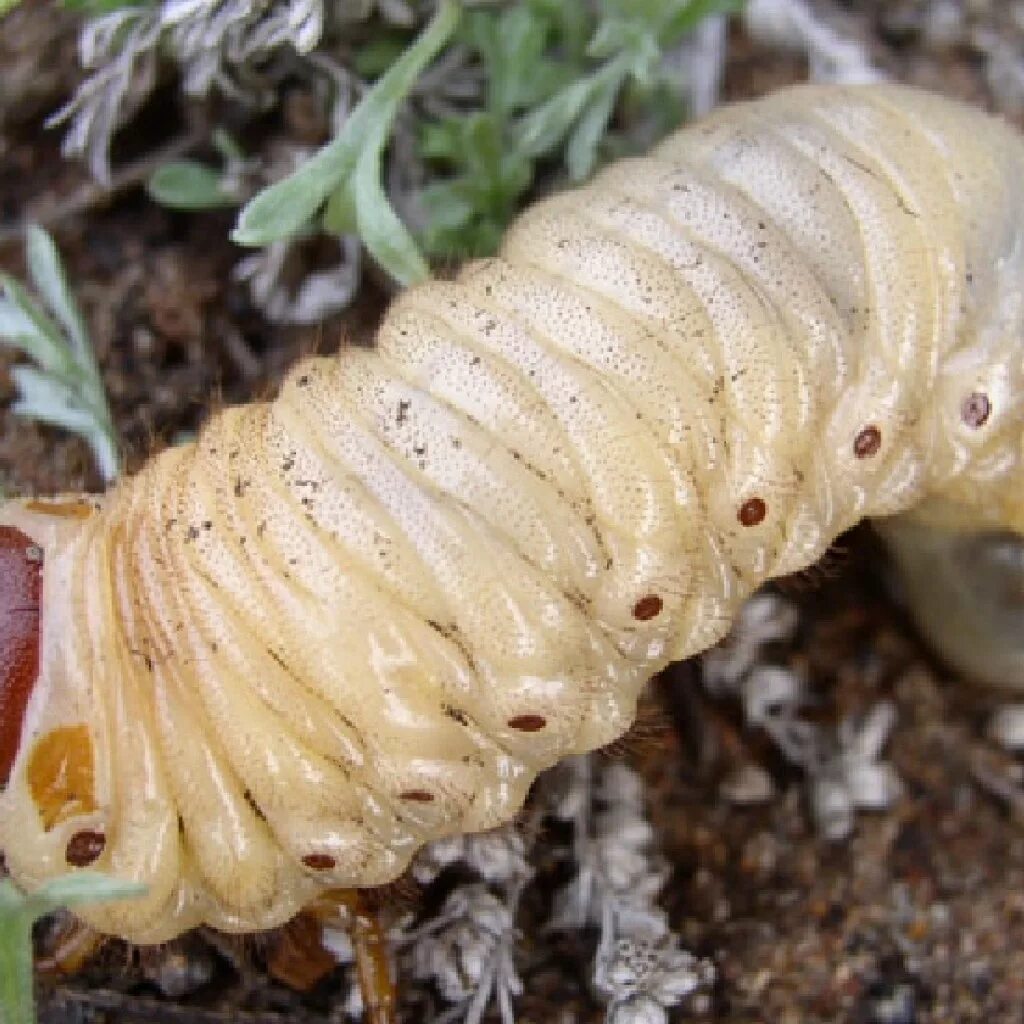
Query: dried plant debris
(989, 32)
(798, 25)
(214, 42)
(469, 949)
(842, 767)
(640, 970)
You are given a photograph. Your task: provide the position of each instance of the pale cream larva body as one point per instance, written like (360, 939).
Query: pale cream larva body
(364, 615)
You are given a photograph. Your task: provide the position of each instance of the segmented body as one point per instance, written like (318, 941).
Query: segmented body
(364, 615)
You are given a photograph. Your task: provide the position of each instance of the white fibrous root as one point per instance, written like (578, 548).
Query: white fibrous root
(842, 769)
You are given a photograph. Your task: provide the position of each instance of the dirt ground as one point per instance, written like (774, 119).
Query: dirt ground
(919, 917)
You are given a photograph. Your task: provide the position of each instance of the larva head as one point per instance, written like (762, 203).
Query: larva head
(20, 593)
(48, 799)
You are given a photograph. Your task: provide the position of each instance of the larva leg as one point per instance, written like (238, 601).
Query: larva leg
(372, 964)
(353, 911)
(70, 947)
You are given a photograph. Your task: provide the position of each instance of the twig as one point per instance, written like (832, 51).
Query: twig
(91, 193)
(66, 1000)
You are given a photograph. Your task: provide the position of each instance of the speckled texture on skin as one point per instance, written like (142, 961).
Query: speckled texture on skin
(365, 615)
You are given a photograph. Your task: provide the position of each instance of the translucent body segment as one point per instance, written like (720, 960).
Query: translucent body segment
(748, 152)
(723, 221)
(760, 383)
(219, 825)
(459, 459)
(483, 387)
(508, 614)
(336, 611)
(140, 819)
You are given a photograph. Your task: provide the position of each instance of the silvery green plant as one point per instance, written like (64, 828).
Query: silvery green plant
(467, 950)
(215, 43)
(435, 146)
(344, 178)
(61, 385)
(640, 970)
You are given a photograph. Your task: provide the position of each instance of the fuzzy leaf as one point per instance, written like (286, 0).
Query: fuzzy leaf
(47, 275)
(79, 887)
(285, 208)
(64, 387)
(545, 127)
(48, 399)
(581, 152)
(25, 326)
(188, 185)
(19, 911)
(386, 238)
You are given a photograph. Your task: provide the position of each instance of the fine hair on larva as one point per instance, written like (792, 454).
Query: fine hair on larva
(364, 615)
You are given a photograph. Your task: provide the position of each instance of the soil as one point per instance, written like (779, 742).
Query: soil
(919, 917)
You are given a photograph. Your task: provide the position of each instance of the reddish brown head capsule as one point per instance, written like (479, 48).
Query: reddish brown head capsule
(21, 587)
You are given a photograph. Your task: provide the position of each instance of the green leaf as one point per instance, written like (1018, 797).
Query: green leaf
(226, 146)
(686, 16)
(510, 43)
(581, 151)
(572, 26)
(50, 400)
(69, 405)
(543, 129)
(447, 208)
(19, 911)
(386, 238)
(79, 887)
(285, 208)
(340, 214)
(25, 326)
(442, 140)
(64, 387)
(47, 275)
(374, 57)
(188, 185)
